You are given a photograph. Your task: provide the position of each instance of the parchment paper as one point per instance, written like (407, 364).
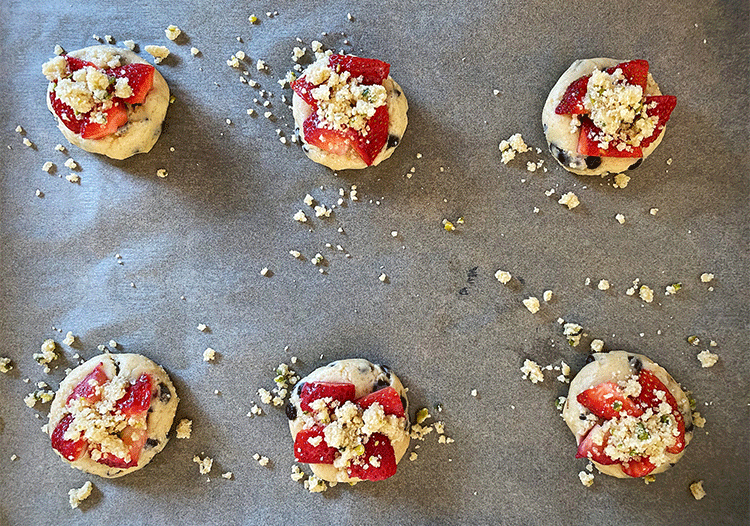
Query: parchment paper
(192, 246)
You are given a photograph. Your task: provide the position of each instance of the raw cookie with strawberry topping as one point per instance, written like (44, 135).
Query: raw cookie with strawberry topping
(107, 100)
(605, 116)
(111, 414)
(349, 112)
(629, 416)
(350, 421)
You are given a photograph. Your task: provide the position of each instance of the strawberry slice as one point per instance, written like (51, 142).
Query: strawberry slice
(134, 439)
(369, 146)
(70, 449)
(140, 78)
(371, 70)
(311, 391)
(303, 88)
(304, 451)
(137, 398)
(588, 449)
(638, 468)
(87, 387)
(333, 141)
(664, 106)
(588, 145)
(635, 71)
(388, 398)
(650, 385)
(74, 64)
(117, 116)
(572, 100)
(607, 401)
(379, 447)
(66, 114)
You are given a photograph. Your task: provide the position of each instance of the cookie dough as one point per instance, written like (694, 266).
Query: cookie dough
(562, 136)
(367, 378)
(110, 410)
(620, 367)
(144, 124)
(397, 121)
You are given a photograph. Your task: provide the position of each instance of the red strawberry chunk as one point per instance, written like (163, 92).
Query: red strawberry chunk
(379, 447)
(74, 64)
(303, 88)
(70, 449)
(140, 79)
(589, 145)
(650, 385)
(388, 398)
(137, 398)
(304, 451)
(117, 116)
(340, 142)
(311, 391)
(371, 70)
(588, 449)
(663, 110)
(369, 146)
(638, 468)
(635, 71)
(87, 387)
(572, 100)
(333, 141)
(134, 439)
(607, 401)
(66, 114)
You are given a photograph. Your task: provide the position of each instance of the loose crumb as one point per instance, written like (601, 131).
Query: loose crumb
(532, 371)
(204, 464)
(597, 345)
(209, 355)
(646, 294)
(707, 358)
(184, 428)
(228, 475)
(202, 327)
(547, 296)
(532, 304)
(696, 488)
(158, 52)
(172, 32)
(620, 219)
(162, 173)
(503, 277)
(76, 496)
(587, 479)
(707, 277)
(603, 285)
(570, 200)
(5, 364)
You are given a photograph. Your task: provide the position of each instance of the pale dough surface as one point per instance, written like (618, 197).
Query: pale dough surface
(557, 127)
(612, 367)
(161, 413)
(367, 378)
(144, 120)
(397, 121)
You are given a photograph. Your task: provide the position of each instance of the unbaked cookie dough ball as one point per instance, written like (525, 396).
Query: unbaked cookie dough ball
(111, 414)
(349, 112)
(107, 100)
(605, 116)
(350, 421)
(628, 415)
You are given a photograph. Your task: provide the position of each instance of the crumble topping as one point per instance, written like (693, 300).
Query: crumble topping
(617, 108)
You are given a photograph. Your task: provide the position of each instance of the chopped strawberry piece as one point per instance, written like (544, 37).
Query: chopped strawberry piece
(572, 101)
(74, 64)
(311, 391)
(134, 439)
(371, 70)
(333, 141)
(137, 398)
(388, 398)
(140, 79)
(304, 451)
(117, 116)
(303, 88)
(87, 387)
(588, 449)
(589, 145)
(638, 468)
(66, 114)
(379, 450)
(650, 385)
(663, 110)
(635, 71)
(369, 146)
(70, 449)
(607, 401)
